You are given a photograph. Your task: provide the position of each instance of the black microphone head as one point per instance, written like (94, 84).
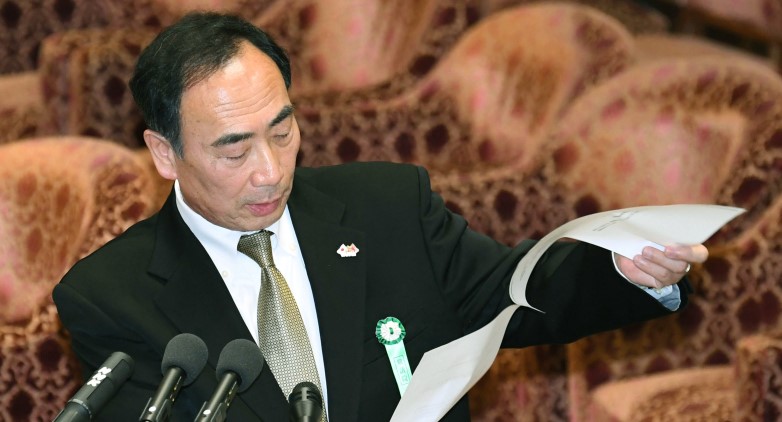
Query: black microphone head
(122, 365)
(306, 403)
(242, 357)
(305, 390)
(187, 352)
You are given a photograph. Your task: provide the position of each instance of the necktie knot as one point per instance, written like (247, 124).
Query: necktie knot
(257, 246)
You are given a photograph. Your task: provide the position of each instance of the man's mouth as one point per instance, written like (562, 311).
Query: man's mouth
(262, 209)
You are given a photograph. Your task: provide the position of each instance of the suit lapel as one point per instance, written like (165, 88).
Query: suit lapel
(338, 287)
(196, 301)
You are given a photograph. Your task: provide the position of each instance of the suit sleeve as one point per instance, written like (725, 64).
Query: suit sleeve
(574, 283)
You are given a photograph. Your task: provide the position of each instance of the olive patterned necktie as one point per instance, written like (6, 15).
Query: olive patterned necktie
(281, 333)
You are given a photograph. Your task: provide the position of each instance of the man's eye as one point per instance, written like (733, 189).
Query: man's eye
(281, 135)
(235, 157)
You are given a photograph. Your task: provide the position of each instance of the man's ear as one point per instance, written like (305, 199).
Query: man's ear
(163, 154)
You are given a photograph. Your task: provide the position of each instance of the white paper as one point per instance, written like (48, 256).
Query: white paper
(627, 232)
(446, 373)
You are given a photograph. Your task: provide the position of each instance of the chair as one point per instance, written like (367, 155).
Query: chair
(60, 199)
(448, 121)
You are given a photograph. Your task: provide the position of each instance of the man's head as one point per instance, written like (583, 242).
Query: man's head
(213, 91)
(186, 53)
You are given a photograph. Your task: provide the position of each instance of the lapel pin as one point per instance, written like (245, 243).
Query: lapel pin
(390, 333)
(347, 251)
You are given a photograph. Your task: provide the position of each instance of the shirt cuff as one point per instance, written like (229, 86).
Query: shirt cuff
(668, 296)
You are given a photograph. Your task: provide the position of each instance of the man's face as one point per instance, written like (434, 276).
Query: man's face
(240, 143)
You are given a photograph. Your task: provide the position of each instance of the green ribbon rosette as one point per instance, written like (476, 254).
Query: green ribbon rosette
(390, 333)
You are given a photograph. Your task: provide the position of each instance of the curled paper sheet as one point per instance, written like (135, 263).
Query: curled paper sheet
(446, 373)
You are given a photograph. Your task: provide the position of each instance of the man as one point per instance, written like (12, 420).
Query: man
(213, 90)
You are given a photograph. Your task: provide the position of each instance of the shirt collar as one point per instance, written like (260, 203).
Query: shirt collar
(210, 233)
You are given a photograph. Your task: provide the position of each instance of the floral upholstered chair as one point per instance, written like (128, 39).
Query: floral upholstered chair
(60, 199)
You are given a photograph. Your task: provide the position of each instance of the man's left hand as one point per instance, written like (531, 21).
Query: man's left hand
(657, 269)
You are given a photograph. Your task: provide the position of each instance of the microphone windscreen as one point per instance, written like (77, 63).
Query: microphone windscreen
(188, 352)
(242, 357)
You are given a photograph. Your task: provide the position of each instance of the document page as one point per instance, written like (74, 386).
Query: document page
(446, 373)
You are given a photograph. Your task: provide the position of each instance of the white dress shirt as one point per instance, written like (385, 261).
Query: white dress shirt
(242, 275)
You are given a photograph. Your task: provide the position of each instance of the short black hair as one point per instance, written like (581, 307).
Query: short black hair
(186, 53)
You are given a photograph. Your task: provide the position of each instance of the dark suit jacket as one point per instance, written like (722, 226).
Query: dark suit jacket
(417, 262)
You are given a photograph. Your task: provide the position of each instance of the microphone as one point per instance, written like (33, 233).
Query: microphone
(306, 404)
(239, 365)
(91, 397)
(183, 360)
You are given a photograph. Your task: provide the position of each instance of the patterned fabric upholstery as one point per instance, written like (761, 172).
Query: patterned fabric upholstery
(449, 122)
(25, 23)
(84, 74)
(657, 46)
(444, 22)
(523, 385)
(21, 106)
(757, 23)
(83, 53)
(716, 124)
(759, 377)
(694, 394)
(60, 199)
(672, 106)
(345, 54)
(38, 370)
(247, 9)
(762, 17)
(636, 17)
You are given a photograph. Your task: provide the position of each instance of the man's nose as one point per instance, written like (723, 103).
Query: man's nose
(266, 168)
